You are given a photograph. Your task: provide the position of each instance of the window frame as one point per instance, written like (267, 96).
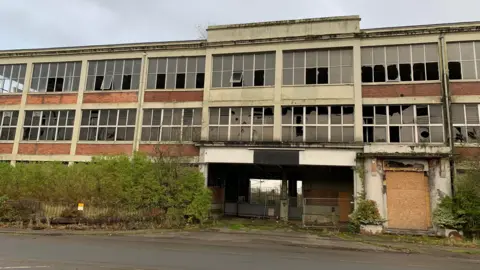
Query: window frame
(415, 125)
(465, 123)
(198, 72)
(19, 81)
(161, 126)
(227, 72)
(11, 126)
(97, 126)
(70, 84)
(328, 125)
(93, 76)
(48, 126)
(218, 125)
(475, 60)
(399, 62)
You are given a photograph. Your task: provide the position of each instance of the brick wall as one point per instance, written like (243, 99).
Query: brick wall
(70, 98)
(10, 99)
(6, 148)
(402, 90)
(103, 149)
(44, 149)
(106, 97)
(465, 88)
(185, 150)
(467, 152)
(173, 96)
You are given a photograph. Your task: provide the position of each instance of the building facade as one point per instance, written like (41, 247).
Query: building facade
(320, 105)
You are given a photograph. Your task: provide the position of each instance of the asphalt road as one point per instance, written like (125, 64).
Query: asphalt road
(115, 252)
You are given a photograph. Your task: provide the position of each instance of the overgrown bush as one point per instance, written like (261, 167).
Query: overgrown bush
(366, 213)
(463, 210)
(121, 183)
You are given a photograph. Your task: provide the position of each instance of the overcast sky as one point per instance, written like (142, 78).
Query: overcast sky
(56, 23)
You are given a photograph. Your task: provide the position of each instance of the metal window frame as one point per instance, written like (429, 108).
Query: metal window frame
(465, 124)
(67, 85)
(181, 126)
(48, 126)
(187, 58)
(93, 64)
(415, 125)
(2, 119)
(249, 125)
(329, 125)
(98, 126)
(14, 84)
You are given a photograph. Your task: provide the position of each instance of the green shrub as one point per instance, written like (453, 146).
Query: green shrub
(366, 213)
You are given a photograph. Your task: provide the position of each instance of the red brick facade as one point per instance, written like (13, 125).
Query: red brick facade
(106, 97)
(401, 90)
(104, 149)
(173, 96)
(467, 152)
(6, 148)
(10, 99)
(44, 149)
(185, 150)
(68, 98)
(465, 88)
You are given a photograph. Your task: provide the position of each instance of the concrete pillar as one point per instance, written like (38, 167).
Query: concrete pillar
(284, 198)
(204, 169)
(374, 185)
(357, 84)
(277, 110)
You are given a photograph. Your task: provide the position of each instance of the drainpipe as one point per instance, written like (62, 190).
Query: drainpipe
(446, 102)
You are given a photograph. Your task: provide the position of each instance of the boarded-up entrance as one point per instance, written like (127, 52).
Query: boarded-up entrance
(408, 200)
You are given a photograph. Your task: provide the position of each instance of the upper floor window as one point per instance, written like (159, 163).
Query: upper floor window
(318, 124)
(464, 60)
(403, 124)
(172, 124)
(404, 63)
(244, 70)
(241, 124)
(56, 77)
(466, 123)
(176, 72)
(12, 78)
(108, 125)
(48, 125)
(120, 74)
(329, 66)
(8, 125)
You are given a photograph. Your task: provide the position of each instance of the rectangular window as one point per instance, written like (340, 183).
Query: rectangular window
(176, 72)
(108, 125)
(56, 77)
(241, 124)
(12, 78)
(8, 125)
(318, 124)
(171, 125)
(466, 123)
(48, 125)
(404, 63)
(243, 70)
(118, 74)
(331, 66)
(403, 124)
(464, 60)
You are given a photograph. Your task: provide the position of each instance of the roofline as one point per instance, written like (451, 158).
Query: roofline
(284, 22)
(421, 26)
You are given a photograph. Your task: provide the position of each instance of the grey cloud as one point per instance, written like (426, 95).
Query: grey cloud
(54, 23)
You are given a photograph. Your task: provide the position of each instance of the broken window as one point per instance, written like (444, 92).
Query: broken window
(175, 125)
(404, 124)
(243, 124)
(318, 67)
(176, 73)
(56, 77)
(53, 126)
(108, 125)
(8, 125)
(400, 63)
(466, 122)
(113, 75)
(243, 70)
(318, 124)
(464, 60)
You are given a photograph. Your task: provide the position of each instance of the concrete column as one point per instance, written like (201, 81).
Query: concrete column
(284, 198)
(78, 107)
(141, 94)
(204, 169)
(277, 110)
(357, 84)
(21, 112)
(374, 185)
(440, 181)
(206, 95)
